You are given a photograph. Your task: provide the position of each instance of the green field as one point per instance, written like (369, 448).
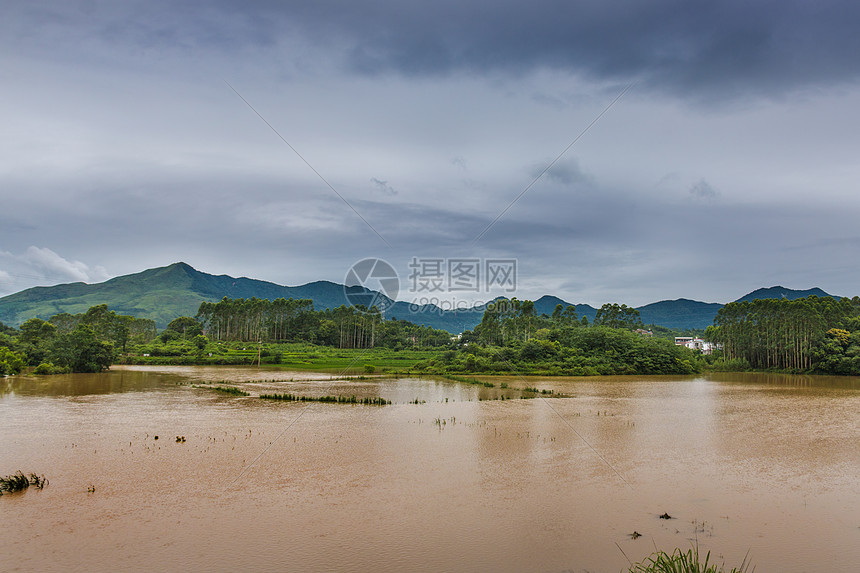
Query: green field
(296, 356)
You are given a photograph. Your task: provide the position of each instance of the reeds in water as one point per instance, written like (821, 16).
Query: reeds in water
(467, 380)
(534, 390)
(231, 390)
(372, 401)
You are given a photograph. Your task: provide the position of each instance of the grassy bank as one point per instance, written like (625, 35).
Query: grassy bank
(296, 356)
(603, 352)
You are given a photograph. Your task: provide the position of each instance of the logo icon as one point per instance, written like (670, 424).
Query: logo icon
(372, 282)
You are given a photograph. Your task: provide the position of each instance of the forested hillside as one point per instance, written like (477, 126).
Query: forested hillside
(813, 333)
(163, 294)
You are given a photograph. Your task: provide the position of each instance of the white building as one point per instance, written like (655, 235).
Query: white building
(695, 344)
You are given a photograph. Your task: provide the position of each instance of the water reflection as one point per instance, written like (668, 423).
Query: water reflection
(110, 382)
(788, 380)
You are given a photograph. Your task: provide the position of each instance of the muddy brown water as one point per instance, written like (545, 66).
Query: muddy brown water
(764, 465)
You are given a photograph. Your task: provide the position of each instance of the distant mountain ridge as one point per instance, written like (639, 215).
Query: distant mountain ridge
(165, 293)
(547, 303)
(782, 292)
(681, 313)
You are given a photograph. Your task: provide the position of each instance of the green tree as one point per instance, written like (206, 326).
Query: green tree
(65, 322)
(6, 329)
(82, 351)
(36, 331)
(100, 319)
(186, 326)
(616, 315)
(569, 315)
(11, 362)
(120, 330)
(200, 342)
(35, 339)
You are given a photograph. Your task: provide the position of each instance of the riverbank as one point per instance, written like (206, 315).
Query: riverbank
(609, 352)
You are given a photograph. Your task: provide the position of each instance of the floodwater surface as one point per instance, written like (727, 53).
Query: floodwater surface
(761, 465)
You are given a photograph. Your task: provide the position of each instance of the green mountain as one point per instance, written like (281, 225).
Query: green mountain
(547, 303)
(681, 313)
(684, 313)
(453, 321)
(782, 292)
(161, 294)
(165, 293)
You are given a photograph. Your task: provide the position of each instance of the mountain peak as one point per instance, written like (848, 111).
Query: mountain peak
(180, 266)
(783, 292)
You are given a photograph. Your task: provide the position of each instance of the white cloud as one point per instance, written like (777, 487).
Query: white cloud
(51, 263)
(42, 266)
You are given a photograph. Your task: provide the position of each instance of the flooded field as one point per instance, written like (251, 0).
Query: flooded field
(460, 481)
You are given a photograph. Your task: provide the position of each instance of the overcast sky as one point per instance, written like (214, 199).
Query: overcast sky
(729, 163)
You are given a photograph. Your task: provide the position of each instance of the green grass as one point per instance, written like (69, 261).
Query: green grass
(289, 356)
(350, 361)
(680, 562)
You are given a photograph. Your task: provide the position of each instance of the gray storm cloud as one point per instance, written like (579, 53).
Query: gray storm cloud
(124, 149)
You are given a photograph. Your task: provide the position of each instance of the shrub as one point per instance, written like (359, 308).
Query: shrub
(10, 362)
(49, 368)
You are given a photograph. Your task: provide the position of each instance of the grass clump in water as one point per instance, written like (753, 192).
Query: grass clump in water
(468, 380)
(231, 390)
(680, 562)
(19, 482)
(373, 401)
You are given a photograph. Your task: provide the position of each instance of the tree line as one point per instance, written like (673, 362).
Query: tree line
(811, 334)
(512, 337)
(295, 320)
(509, 321)
(84, 342)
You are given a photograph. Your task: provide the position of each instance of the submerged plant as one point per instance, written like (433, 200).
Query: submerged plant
(19, 481)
